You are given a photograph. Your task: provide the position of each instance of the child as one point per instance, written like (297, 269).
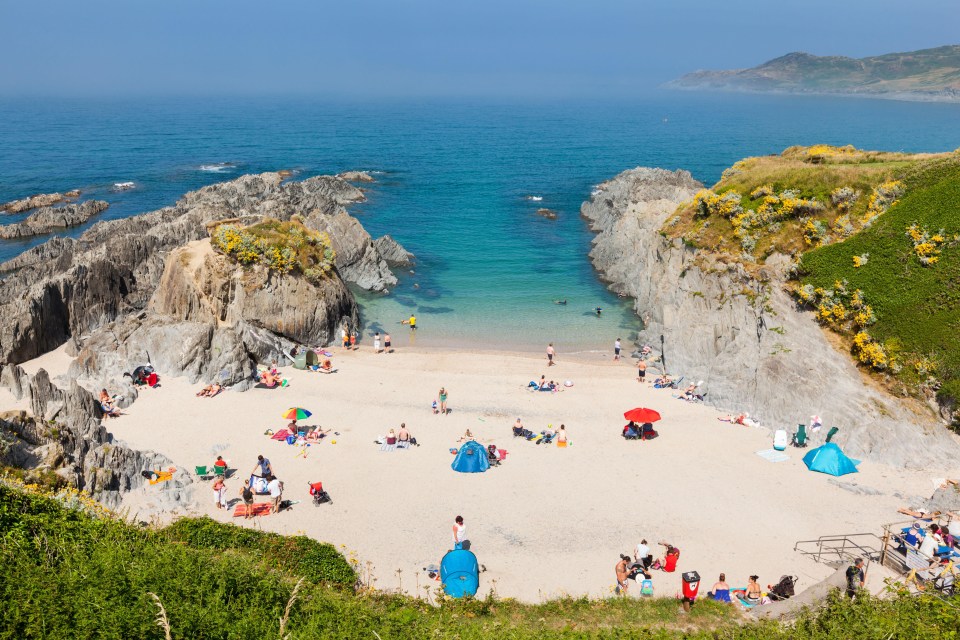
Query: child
(353, 340)
(434, 407)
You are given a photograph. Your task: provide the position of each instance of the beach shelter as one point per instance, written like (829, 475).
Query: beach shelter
(305, 359)
(830, 459)
(472, 458)
(460, 573)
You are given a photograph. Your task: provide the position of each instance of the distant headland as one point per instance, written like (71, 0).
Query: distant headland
(925, 75)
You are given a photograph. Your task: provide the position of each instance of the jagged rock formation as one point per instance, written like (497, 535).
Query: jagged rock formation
(549, 214)
(48, 219)
(39, 200)
(70, 288)
(393, 253)
(740, 332)
(356, 176)
(64, 434)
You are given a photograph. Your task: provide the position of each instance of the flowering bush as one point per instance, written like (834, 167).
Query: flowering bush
(860, 260)
(925, 245)
(281, 246)
(814, 232)
(844, 197)
(842, 226)
(709, 203)
(883, 197)
(869, 352)
(761, 191)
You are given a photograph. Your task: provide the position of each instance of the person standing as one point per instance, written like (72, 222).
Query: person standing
(263, 466)
(550, 353)
(353, 341)
(642, 371)
(616, 349)
(246, 494)
(856, 577)
(443, 400)
(459, 533)
(376, 342)
(386, 343)
(220, 493)
(412, 322)
(275, 487)
(345, 337)
(622, 574)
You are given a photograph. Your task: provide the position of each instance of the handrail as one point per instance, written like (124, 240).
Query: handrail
(845, 549)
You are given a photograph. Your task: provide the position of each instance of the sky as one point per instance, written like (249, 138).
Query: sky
(431, 48)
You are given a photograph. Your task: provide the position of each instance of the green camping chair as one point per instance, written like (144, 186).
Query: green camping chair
(800, 437)
(203, 472)
(219, 471)
(831, 433)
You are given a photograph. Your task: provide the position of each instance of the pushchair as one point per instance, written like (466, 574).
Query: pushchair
(492, 456)
(319, 495)
(783, 589)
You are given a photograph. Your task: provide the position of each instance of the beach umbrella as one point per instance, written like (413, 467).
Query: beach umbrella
(641, 414)
(296, 413)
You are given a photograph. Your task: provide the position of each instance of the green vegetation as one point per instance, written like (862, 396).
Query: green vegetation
(282, 246)
(931, 73)
(71, 569)
(910, 279)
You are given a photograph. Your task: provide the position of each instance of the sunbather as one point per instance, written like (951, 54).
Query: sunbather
(720, 590)
(106, 405)
(753, 594)
(403, 435)
(271, 378)
(518, 428)
(466, 436)
(209, 391)
(391, 437)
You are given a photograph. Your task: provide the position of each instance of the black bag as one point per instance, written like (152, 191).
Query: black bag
(783, 589)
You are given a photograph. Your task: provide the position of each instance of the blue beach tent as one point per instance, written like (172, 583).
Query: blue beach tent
(460, 573)
(830, 459)
(472, 458)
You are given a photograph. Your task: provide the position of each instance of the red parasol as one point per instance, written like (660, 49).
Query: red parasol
(641, 414)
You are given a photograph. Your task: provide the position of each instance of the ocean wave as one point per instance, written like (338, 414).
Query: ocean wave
(534, 198)
(124, 186)
(596, 192)
(218, 167)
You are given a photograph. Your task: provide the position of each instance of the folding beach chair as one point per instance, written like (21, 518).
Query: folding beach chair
(220, 471)
(800, 437)
(203, 472)
(832, 432)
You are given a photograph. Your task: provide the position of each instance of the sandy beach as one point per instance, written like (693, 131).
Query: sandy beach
(548, 521)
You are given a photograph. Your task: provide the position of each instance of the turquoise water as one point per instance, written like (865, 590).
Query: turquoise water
(454, 183)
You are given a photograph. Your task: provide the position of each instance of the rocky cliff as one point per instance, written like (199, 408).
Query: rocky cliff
(740, 332)
(47, 219)
(39, 200)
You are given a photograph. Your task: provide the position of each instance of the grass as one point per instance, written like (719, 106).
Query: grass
(917, 307)
(76, 571)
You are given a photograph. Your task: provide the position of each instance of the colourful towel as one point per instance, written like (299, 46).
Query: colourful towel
(256, 509)
(280, 435)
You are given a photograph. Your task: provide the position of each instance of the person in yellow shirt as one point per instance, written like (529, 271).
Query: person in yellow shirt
(412, 322)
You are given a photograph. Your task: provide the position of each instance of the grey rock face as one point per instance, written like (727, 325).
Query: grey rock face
(741, 334)
(50, 219)
(71, 288)
(40, 200)
(394, 254)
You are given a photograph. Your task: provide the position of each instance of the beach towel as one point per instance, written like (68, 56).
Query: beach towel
(772, 455)
(162, 476)
(256, 509)
(388, 447)
(280, 435)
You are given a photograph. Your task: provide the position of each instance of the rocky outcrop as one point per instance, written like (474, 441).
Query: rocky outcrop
(49, 219)
(71, 288)
(739, 330)
(394, 254)
(39, 200)
(549, 214)
(356, 176)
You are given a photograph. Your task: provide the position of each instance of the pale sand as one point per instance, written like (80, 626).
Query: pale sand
(549, 520)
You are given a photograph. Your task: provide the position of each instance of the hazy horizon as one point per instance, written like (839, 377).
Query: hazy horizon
(430, 49)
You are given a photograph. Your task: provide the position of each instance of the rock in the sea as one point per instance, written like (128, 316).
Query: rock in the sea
(393, 253)
(741, 333)
(49, 219)
(549, 214)
(356, 176)
(39, 200)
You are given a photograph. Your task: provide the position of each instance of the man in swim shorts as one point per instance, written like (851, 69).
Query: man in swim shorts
(641, 371)
(550, 354)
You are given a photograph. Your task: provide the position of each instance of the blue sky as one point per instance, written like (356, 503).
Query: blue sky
(429, 47)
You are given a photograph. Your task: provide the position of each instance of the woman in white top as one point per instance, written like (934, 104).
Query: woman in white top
(459, 533)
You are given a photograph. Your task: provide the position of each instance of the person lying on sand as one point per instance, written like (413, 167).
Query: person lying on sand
(918, 513)
(209, 391)
(316, 433)
(466, 436)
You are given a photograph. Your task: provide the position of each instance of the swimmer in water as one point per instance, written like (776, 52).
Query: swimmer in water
(559, 302)
(598, 310)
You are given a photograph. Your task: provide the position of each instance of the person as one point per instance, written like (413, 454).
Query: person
(209, 391)
(467, 435)
(815, 423)
(543, 383)
(631, 430)
(246, 494)
(403, 435)
(642, 371)
(856, 577)
(928, 546)
(376, 342)
(616, 349)
(443, 400)
(327, 365)
(275, 487)
(752, 594)
(562, 436)
(690, 392)
(220, 493)
(271, 377)
(518, 428)
(386, 343)
(391, 437)
(720, 590)
(622, 574)
(345, 337)
(642, 554)
(220, 463)
(598, 310)
(353, 341)
(264, 467)
(106, 405)
(550, 354)
(459, 532)
(434, 408)
(669, 562)
(292, 426)
(412, 322)
(564, 301)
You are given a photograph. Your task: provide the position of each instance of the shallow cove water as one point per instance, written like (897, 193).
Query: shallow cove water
(456, 182)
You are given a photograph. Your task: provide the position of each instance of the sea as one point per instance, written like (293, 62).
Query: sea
(458, 183)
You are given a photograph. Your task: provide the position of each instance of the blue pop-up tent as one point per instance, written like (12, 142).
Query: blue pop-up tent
(472, 458)
(830, 459)
(460, 573)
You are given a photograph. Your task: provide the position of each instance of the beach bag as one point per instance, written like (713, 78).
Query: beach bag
(646, 587)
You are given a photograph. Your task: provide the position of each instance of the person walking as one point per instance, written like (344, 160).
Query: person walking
(275, 487)
(616, 349)
(459, 533)
(376, 342)
(345, 337)
(550, 353)
(353, 341)
(246, 494)
(856, 577)
(443, 400)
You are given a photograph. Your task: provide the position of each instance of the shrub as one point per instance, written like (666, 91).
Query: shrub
(284, 247)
